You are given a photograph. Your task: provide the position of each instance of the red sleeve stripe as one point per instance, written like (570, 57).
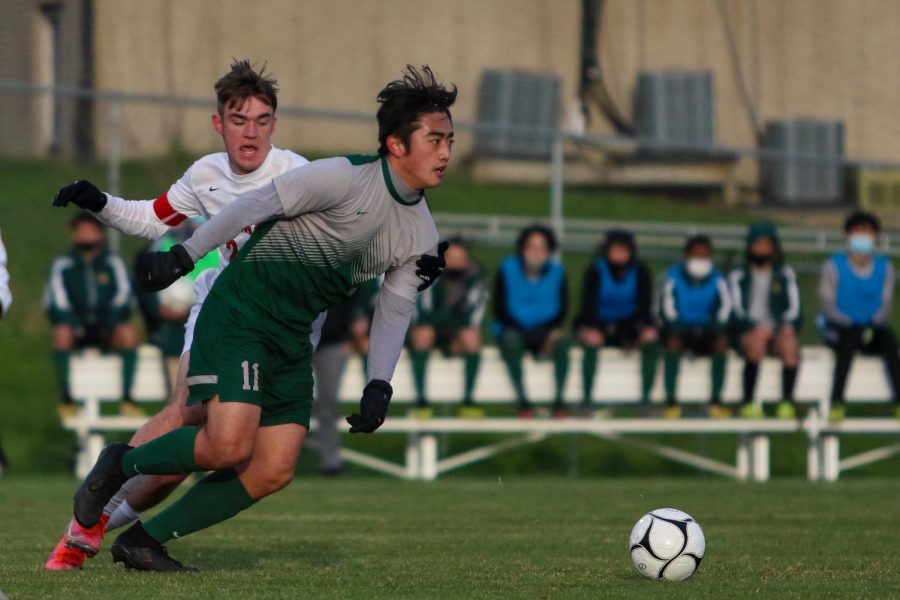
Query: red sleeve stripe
(165, 213)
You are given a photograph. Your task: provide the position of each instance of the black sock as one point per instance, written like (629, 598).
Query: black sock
(788, 381)
(751, 372)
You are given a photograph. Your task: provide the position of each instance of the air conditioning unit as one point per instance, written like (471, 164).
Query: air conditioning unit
(807, 168)
(518, 114)
(674, 111)
(878, 191)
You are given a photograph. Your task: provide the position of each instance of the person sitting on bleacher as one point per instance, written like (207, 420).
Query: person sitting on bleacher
(694, 307)
(857, 290)
(766, 316)
(448, 316)
(88, 300)
(530, 303)
(616, 310)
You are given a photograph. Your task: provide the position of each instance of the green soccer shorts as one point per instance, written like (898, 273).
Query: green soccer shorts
(234, 359)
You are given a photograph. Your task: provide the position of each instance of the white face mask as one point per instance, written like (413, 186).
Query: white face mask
(699, 268)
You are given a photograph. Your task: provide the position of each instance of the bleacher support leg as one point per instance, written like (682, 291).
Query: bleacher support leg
(428, 453)
(412, 456)
(760, 453)
(743, 458)
(831, 457)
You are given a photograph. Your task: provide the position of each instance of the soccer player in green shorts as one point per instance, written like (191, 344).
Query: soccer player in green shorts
(325, 228)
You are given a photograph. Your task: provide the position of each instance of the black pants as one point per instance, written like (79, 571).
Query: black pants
(846, 341)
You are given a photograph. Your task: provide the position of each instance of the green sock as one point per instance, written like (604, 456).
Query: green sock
(588, 371)
(129, 366)
(718, 376)
(169, 454)
(419, 359)
(213, 499)
(472, 362)
(649, 358)
(512, 349)
(61, 366)
(560, 366)
(671, 365)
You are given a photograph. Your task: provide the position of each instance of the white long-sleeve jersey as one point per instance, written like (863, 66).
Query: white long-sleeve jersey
(5, 294)
(206, 187)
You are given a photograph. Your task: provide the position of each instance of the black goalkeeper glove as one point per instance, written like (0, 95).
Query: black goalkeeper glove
(373, 407)
(82, 194)
(431, 267)
(158, 270)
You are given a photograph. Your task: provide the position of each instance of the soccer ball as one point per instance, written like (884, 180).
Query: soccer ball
(179, 296)
(667, 543)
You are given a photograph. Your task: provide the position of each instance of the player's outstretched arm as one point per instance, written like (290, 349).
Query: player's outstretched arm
(132, 217)
(159, 270)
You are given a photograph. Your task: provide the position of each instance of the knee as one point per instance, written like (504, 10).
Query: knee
(63, 337)
(227, 452)
(273, 479)
(590, 337)
(125, 337)
(422, 337)
(470, 340)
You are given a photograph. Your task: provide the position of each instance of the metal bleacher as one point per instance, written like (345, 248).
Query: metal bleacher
(95, 380)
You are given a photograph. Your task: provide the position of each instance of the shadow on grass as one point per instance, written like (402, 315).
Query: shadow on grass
(291, 554)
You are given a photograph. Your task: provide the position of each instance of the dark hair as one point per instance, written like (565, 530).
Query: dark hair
(861, 217)
(459, 240)
(85, 217)
(242, 83)
(698, 240)
(404, 100)
(621, 237)
(536, 229)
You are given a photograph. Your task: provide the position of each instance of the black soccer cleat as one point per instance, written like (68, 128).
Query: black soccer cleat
(137, 550)
(101, 484)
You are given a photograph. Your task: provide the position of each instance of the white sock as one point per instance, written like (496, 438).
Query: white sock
(120, 496)
(122, 516)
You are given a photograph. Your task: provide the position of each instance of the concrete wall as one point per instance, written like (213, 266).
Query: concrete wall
(835, 59)
(332, 54)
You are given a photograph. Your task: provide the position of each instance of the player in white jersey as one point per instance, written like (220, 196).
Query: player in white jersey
(328, 227)
(245, 118)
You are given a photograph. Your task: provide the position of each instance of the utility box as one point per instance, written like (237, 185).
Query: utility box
(806, 166)
(518, 114)
(675, 111)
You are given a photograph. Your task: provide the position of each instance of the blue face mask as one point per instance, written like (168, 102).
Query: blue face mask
(861, 244)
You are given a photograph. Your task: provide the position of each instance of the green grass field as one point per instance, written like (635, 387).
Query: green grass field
(489, 538)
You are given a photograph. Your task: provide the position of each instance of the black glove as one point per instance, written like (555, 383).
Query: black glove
(373, 407)
(431, 267)
(82, 194)
(158, 270)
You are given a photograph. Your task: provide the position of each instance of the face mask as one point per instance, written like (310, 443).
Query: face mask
(454, 274)
(861, 243)
(698, 268)
(760, 259)
(88, 246)
(534, 266)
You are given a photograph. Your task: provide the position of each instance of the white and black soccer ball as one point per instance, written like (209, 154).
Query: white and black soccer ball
(667, 544)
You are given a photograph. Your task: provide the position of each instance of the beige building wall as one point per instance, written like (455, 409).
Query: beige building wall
(333, 54)
(827, 59)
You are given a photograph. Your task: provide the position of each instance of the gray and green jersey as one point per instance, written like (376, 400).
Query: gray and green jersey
(326, 228)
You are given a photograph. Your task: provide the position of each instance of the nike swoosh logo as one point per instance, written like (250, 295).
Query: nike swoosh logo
(362, 212)
(73, 536)
(212, 189)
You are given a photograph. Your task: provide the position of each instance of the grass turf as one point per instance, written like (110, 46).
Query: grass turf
(463, 538)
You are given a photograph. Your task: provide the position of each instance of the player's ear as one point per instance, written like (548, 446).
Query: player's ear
(217, 123)
(396, 146)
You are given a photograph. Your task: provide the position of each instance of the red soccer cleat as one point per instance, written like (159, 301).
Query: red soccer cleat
(63, 558)
(86, 539)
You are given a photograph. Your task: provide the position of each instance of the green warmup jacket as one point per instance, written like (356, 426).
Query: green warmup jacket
(87, 293)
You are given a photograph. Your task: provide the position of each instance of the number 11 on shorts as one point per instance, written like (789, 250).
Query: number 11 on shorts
(247, 367)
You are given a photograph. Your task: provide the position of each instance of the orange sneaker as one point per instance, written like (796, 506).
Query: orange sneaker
(63, 558)
(86, 539)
